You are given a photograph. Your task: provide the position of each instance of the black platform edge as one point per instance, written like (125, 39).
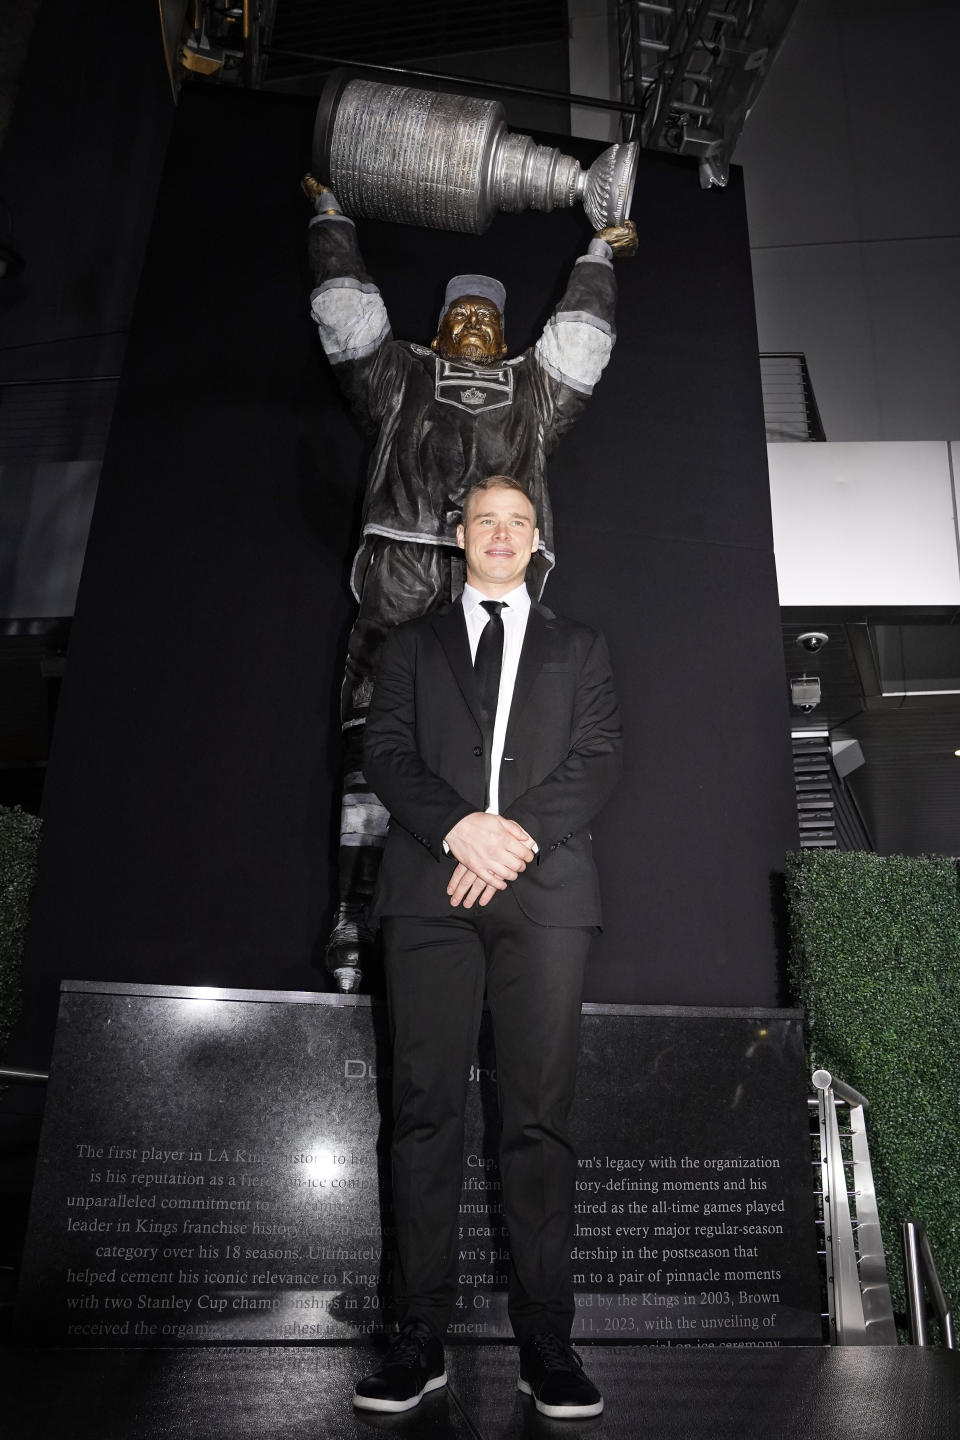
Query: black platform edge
(796, 1393)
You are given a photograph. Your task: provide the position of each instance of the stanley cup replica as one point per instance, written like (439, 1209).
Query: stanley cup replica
(448, 162)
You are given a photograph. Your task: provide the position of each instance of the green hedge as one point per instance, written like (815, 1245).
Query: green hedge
(875, 963)
(19, 841)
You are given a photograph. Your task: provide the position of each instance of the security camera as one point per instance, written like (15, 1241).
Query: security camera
(812, 641)
(805, 693)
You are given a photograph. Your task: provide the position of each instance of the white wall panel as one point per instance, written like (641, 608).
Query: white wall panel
(865, 524)
(795, 149)
(914, 299)
(815, 299)
(853, 196)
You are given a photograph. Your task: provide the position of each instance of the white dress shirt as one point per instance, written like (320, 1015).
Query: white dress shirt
(516, 609)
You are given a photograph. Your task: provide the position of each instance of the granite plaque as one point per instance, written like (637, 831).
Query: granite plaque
(213, 1168)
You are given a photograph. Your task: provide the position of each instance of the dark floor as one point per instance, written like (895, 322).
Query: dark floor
(294, 1393)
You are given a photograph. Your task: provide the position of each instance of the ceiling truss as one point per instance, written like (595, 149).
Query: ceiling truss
(689, 70)
(693, 69)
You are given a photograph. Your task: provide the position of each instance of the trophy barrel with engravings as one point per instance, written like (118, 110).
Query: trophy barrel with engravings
(448, 162)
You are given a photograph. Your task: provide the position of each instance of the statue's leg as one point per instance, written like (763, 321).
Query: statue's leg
(401, 582)
(363, 820)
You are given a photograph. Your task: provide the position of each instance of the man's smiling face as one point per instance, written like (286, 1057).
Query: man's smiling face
(498, 536)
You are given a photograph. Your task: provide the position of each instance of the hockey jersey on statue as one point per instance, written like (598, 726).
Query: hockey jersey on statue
(439, 426)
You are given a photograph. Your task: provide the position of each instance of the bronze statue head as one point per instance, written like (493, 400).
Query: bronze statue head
(471, 322)
(471, 329)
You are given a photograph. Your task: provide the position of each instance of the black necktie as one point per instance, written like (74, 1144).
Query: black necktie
(488, 661)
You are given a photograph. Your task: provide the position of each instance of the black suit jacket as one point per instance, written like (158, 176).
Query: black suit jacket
(424, 758)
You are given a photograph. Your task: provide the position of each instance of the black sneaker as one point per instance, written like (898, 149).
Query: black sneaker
(413, 1365)
(552, 1372)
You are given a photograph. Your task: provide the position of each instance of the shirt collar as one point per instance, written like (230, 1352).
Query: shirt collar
(517, 599)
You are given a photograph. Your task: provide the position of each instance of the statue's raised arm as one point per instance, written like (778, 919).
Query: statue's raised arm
(345, 302)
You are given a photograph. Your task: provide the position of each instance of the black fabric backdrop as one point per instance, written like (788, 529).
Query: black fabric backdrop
(191, 804)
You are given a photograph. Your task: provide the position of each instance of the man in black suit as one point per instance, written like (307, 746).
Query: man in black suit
(493, 740)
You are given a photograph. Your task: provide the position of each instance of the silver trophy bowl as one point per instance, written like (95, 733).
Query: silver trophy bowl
(448, 162)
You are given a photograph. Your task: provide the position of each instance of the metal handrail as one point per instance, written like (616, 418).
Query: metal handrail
(789, 403)
(921, 1273)
(861, 1311)
(23, 1077)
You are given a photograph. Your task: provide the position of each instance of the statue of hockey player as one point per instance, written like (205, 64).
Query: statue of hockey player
(440, 419)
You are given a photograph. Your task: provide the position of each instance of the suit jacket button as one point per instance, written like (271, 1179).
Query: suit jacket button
(478, 751)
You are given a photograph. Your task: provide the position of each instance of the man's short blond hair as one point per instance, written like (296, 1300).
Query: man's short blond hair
(498, 482)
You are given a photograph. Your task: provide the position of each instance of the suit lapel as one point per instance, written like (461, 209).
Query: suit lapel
(450, 628)
(535, 650)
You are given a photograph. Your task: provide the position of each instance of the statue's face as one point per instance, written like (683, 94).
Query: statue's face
(472, 329)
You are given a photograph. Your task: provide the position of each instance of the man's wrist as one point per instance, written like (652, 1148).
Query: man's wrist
(524, 822)
(451, 827)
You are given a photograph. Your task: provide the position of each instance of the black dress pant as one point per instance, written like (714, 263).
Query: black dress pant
(437, 971)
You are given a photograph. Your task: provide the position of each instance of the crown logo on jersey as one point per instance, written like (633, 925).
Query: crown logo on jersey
(487, 387)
